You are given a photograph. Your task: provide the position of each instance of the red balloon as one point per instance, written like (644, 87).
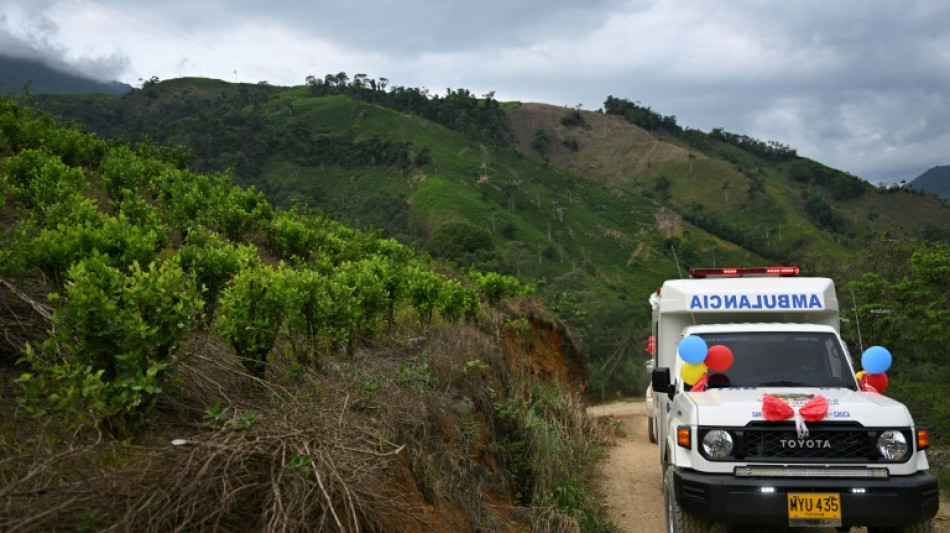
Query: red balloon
(718, 358)
(877, 381)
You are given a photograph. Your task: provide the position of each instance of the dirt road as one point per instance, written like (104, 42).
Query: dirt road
(631, 476)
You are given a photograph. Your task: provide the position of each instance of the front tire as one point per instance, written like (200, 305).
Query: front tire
(651, 429)
(678, 520)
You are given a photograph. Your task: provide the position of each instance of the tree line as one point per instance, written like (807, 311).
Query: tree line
(458, 109)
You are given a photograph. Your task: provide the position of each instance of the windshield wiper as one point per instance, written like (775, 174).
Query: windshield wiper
(785, 384)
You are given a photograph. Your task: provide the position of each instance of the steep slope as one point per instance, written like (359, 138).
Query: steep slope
(935, 180)
(787, 209)
(604, 147)
(178, 354)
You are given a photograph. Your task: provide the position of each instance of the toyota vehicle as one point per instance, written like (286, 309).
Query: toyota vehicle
(763, 418)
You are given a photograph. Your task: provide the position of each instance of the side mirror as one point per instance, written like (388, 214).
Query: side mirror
(661, 381)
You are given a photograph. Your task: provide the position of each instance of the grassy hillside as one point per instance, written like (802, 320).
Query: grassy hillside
(593, 207)
(179, 354)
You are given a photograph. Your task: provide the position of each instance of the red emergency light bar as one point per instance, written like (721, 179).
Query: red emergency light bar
(781, 271)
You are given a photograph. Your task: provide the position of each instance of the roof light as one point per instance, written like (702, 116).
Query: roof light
(782, 271)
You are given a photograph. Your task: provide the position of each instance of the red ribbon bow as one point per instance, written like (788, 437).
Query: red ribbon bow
(774, 409)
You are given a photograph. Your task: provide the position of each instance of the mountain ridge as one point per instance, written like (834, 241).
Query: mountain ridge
(935, 180)
(40, 78)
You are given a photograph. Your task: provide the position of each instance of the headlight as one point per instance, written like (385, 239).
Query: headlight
(892, 445)
(717, 444)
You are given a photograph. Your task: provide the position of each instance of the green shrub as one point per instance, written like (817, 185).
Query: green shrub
(456, 301)
(495, 287)
(237, 210)
(289, 236)
(113, 339)
(213, 262)
(39, 178)
(310, 314)
(360, 297)
(118, 243)
(458, 241)
(123, 170)
(252, 310)
(422, 291)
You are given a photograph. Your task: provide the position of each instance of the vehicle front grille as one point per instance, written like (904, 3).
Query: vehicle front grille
(763, 444)
(779, 442)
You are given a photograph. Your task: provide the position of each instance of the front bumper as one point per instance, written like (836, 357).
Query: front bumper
(898, 501)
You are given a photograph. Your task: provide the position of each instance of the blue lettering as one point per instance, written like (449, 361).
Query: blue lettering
(756, 414)
(758, 302)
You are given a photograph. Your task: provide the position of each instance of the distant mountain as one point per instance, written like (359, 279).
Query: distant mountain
(16, 72)
(935, 180)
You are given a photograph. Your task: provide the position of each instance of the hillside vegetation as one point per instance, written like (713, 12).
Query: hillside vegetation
(179, 354)
(595, 208)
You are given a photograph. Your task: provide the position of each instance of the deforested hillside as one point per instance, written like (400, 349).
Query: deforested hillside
(760, 196)
(180, 354)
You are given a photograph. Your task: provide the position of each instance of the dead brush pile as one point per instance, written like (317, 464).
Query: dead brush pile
(395, 438)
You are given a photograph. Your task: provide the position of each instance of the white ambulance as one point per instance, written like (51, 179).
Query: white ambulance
(855, 459)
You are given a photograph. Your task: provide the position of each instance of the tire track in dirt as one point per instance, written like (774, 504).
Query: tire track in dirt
(631, 472)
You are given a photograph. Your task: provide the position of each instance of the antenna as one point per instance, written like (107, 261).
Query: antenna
(857, 320)
(679, 270)
(677, 261)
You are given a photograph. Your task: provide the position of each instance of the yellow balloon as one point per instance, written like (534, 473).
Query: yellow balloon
(859, 375)
(691, 372)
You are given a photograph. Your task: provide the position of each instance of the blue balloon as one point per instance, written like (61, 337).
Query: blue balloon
(876, 360)
(693, 349)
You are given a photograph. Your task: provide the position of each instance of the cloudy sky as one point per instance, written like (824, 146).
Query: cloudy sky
(860, 85)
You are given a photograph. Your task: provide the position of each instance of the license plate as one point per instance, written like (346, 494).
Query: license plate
(808, 509)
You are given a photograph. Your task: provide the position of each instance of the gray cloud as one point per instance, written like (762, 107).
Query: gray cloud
(856, 85)
(413, 27)
(34, 36)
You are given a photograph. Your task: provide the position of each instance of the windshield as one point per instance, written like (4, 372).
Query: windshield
(787, 359)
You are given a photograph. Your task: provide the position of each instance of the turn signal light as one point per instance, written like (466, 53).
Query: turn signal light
(683, 436)
(923, 439)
